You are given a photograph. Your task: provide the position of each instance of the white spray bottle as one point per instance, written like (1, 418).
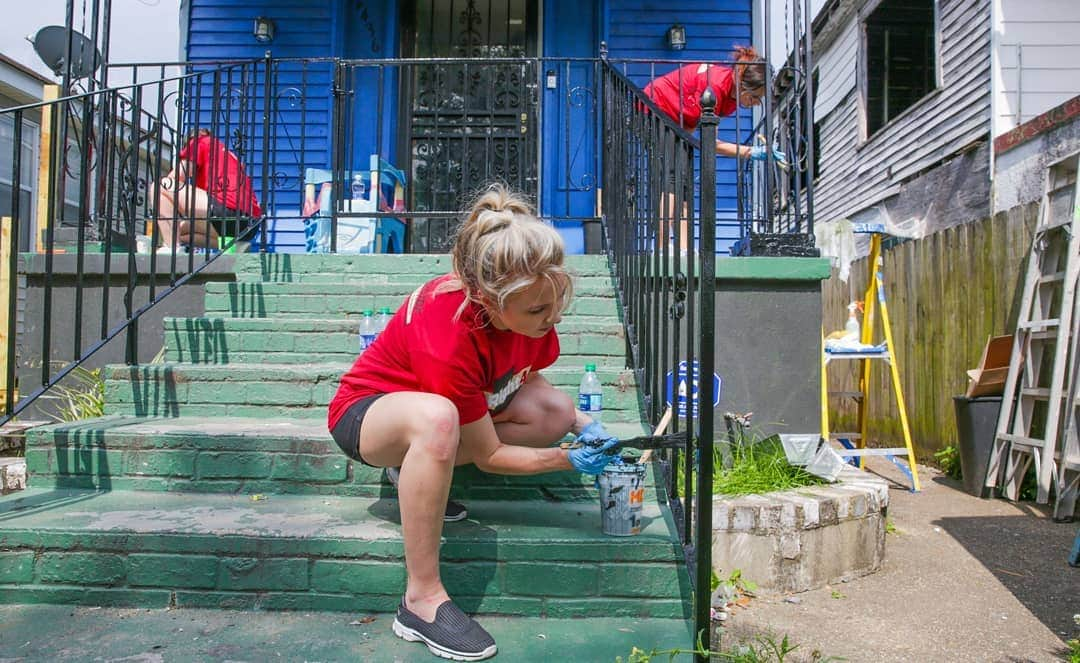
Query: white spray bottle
(851, 328)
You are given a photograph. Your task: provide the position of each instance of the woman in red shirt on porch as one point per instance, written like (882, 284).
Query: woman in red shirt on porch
(678, 94)
(454, 379)
(222, 202)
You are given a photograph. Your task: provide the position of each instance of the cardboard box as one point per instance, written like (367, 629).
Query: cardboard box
(989, 378)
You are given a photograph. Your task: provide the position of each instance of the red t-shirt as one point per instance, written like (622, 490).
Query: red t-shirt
(221, 175)
(479, 368)
(678, 93)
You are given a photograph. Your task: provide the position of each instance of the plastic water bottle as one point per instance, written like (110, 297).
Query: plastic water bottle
(383, 319)
(358, 187)
(368, 332)
(590, 393)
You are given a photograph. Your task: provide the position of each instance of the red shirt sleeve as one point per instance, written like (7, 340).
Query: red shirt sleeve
(721, 80)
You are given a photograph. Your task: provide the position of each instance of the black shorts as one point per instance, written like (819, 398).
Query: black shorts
(228, 222)
(347, 430)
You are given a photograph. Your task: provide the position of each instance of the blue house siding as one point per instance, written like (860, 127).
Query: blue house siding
(358, 29)
(637, 29)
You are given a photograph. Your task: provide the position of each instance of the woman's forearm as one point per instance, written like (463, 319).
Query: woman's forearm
(512, 459)
(726, 149)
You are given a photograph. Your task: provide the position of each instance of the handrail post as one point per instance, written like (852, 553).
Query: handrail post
(265, 181)
(707, 290)
(337, 150)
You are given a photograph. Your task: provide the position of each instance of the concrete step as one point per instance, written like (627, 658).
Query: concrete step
(307, 300)
(302, 552)
(292, 340)
(49, 632)
(252, 267)
(295, 390)
(238, 455)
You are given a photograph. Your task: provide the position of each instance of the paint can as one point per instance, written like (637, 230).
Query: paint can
(622, 495)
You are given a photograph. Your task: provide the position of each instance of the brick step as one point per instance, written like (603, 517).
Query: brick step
(306, 300)
(293, 390)
(268, 456)
(302, 552)
(405, 283)
(46, 633)
(292, 340)
(297, 268)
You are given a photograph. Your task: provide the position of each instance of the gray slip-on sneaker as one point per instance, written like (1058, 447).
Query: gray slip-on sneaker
(452, 635)
(455, 511)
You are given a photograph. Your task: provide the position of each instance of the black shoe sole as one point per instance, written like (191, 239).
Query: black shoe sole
(412, 635)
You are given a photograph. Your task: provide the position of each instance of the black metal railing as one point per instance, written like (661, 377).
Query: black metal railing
(110, 155)
(665, 280)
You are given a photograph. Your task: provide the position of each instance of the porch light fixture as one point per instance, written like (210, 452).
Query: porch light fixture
(676, 37)
(264, 29)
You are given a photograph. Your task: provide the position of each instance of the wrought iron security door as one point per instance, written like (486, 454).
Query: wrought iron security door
(472, 118)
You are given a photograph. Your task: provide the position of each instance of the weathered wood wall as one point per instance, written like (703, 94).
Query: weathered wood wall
(856, 171)
(946, 293)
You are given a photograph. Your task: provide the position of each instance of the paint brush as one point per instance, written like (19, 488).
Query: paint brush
(669, 441)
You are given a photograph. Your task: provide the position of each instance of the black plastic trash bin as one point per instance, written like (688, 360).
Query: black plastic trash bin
(976, 423)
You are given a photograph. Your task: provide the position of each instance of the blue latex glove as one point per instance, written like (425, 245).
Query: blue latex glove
(592, 459)
(593, 433)
(757, 153)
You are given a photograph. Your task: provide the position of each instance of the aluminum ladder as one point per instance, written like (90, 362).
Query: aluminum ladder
(1028, 427)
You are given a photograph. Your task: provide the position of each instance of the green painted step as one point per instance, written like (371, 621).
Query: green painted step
(52, 633)
(271, 300)
(248, 456)
(302, 552)
(286, 340)
(294, 390)
(297, 268)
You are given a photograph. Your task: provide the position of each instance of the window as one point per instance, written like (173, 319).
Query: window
(27, 178)
(901, 63)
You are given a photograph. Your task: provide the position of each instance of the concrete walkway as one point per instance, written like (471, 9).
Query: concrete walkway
(964, 579)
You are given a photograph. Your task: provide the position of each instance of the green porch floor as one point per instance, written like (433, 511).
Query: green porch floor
(57, 632)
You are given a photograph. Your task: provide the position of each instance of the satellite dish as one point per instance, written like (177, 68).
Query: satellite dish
(51, 43)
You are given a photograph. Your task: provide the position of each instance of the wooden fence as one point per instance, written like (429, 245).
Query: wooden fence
(946, 294)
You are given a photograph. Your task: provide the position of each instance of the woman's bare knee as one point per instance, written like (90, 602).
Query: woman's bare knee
(560, 412)
(437, 429)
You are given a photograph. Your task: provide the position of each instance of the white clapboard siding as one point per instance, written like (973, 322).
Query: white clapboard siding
(856, 174)
(837, 71)
(1036, 59)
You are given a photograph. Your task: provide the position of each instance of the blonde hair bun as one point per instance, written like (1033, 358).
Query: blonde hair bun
(502, 248)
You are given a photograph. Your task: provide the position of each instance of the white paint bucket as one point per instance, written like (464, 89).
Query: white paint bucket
(622, 495)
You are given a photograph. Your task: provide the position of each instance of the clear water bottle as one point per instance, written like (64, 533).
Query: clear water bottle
(383, 319)
(368, 332)
(359, 190)
(590, 393)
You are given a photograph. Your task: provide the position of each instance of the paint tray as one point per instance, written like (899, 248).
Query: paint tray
(800, 448)
(826, 464)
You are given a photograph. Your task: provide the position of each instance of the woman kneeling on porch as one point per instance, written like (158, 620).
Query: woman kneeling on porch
(454, 379)
(221, 203)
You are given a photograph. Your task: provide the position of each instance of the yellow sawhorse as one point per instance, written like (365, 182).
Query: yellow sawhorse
(855, 443)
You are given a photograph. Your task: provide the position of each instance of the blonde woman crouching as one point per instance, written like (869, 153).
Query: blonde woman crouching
(454, 379)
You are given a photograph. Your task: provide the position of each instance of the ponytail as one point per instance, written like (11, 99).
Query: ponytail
(502, 248)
